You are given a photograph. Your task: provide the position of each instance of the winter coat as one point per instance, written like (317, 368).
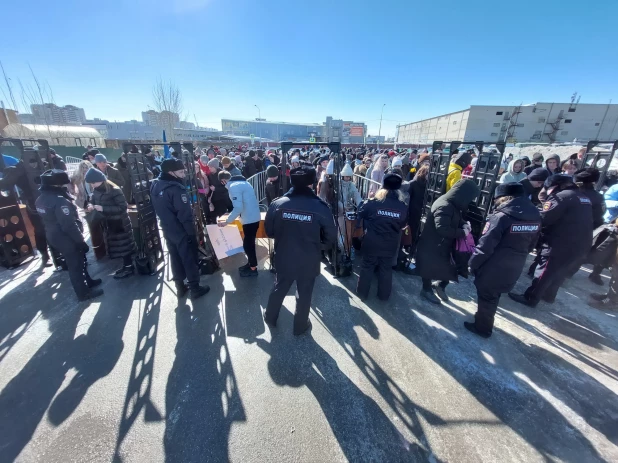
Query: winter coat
(598, 203)
(233, 170)
(567, 223)
(611, 203)
(63, 229)
(453, 176)
(510, 233)
(558, 169)
(118, 231)
(301, 223)
(377, 175)
(126, 179)
(531, 192)
(244, 201)
(415, 203)
(171, 203)
(442, 227)
(250, 168)
(383, 221)
(360, 170)
(19, 176)
(219, 195)
(114, 176)
(350, 198)
(272, 190)
(511, 176)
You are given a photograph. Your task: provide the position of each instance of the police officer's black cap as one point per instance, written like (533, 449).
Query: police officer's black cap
(509, 189)
(54, 177)
(172, 165)
(303, 176)
(588, 175)
(539, 174)
(392, 182)
(557, 180)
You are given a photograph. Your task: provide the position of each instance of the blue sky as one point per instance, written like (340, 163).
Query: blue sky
(301, 61)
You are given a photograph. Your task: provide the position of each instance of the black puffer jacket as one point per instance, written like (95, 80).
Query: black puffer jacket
(118, 231)
(510, 233)
(442, 228)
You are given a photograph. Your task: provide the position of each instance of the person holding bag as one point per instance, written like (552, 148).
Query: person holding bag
(108, 199)
(443, 226)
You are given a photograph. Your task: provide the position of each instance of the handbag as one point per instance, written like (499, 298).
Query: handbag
(94, 217)
(462, 251)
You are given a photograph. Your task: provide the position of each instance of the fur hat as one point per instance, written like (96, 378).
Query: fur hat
(509, 189)
(56, 177)
(557, 180)
(588, 175)
(392, 182)
(347, 171)
(94, 175)
(539, 174)
(272, 171)
(172, 165)
(302, 176)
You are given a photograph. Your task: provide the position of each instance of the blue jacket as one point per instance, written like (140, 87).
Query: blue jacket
(171, 203)
(611, 203)
(244, 201)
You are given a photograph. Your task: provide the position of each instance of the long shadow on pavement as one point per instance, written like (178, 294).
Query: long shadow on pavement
(506, 390)
(202, 399)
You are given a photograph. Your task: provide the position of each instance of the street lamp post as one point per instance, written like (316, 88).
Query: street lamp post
(380, 131)
(260, 129)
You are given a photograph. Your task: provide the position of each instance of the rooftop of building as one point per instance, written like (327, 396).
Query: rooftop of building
(253, 121)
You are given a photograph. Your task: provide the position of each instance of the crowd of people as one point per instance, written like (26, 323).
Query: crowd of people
(315, 205)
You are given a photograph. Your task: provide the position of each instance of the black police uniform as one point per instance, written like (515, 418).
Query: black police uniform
(300, 223)
(171, 203)
(567, 234)
(383, 222)
(509, 235)
(63, 229)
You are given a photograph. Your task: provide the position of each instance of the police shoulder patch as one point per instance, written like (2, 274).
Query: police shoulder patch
(65, 210)
(547, 205)
(184, 198)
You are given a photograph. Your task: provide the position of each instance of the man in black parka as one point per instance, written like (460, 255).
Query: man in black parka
(300, 223)
(567, 234)
(383, 218)
(509, 235)
(171, 203)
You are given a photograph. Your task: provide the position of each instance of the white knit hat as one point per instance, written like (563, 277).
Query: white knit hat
(397, 162)
(347, 171)
(330, 168)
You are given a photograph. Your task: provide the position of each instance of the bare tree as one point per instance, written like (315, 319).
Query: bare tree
(167, 101)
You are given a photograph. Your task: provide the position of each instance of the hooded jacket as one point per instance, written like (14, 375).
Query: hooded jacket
(442, 228)
(455, 168)
(511, 175)
(510, 233)
(244, 201)
(557, 170)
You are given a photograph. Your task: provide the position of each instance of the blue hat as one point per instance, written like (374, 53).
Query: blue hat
(94, 175)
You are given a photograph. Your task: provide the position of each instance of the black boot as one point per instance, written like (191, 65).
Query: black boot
(45, 261)
(596, 279)
(91, 294)
(522, 299)
(306, 330)
(471, 326)
(198, 291)
(93, 283)
(181, 289)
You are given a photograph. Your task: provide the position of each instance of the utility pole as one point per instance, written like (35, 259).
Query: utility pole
(380, 131)
(260, 128)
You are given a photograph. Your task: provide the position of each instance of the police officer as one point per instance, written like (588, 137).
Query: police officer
(23, 175)
(170, 201)
(383, 217)
(300, 224)
(509, 235)
(567, 237)
(64, 231)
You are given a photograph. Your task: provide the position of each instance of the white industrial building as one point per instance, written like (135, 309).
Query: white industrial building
(535, 123)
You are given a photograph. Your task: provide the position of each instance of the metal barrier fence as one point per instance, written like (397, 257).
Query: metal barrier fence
(366, 185)
(71, 163)
(258, 182)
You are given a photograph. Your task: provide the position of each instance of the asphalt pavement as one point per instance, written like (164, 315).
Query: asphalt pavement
(138, 376)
